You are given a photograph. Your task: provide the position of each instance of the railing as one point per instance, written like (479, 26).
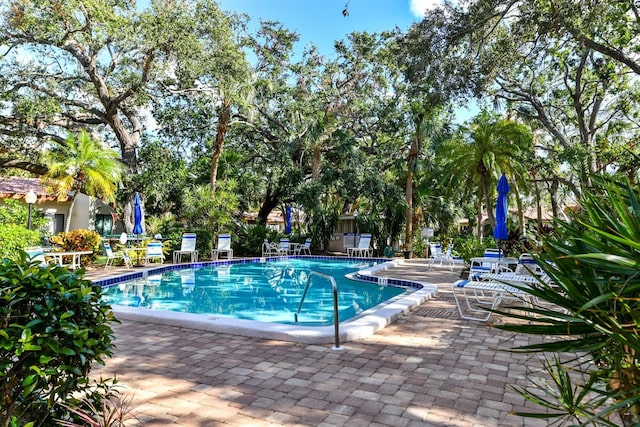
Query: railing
(336, 320)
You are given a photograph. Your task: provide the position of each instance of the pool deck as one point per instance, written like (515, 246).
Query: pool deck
(428, 368)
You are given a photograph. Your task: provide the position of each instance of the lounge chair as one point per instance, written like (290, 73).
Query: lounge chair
(111, 257)
(306, 247)
(154, 251)
(224, 246)
(476, 299)
(187, 247)
(362, 250)
(36, 253)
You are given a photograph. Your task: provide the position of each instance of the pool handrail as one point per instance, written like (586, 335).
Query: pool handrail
(334, 287)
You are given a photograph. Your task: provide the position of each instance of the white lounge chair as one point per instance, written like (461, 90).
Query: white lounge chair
(154, 252)
(476, 299)
(187, 247)
(224, 246)
(36, 253)
(362, 250)
(111, 257)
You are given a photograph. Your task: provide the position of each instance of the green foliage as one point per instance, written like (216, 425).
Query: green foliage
(209, 209)
(17, 213)
(250, 239)
(593, 305)
(78, 240)
(469, 246)
(14, 238)
(53, 327)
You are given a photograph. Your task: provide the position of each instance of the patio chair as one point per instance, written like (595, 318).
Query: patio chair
(224, 246)
(270, 249)
(187, 247)
(528, 265)
(438, 255)
(362, 249)
(306, 247)
(154, 252)
(111, 257)
(478, 268)
(284, 246)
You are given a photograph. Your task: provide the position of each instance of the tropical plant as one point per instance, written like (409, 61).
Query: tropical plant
(53, 327)
(83, 165)
(211, 209)
(591, 307)
(493, 146)
(78, 240)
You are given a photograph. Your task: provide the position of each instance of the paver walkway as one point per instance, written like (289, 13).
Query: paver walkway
(427, 369)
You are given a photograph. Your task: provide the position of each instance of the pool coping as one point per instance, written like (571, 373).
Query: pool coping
(365, 324)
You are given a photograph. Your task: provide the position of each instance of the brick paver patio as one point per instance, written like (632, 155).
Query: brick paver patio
(429, 368)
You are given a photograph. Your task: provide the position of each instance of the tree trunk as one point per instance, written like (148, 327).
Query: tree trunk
(223, 127)
(271, 201)
(411, 166)
(67, 224)
(555, 206)
(479, 225)
(536, 186)
(487, 199)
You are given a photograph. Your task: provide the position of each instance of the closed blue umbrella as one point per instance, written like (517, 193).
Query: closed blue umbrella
(137, 215)
(500, 232)
(287, 220)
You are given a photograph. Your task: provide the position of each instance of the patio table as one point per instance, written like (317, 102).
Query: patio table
(75, 257)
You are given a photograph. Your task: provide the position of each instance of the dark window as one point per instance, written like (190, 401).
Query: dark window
(58, 223)
(103, 224)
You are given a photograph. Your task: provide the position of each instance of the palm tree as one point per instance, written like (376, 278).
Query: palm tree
(83, 165)
(492, 146)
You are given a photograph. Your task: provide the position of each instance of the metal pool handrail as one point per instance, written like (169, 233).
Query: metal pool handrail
(334, 287)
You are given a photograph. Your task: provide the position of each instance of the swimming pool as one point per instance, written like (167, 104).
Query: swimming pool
(264, 292)
(130, 300)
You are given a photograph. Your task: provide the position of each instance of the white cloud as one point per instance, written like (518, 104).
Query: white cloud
(418, 7)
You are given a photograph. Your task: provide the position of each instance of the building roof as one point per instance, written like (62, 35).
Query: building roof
(15, 187)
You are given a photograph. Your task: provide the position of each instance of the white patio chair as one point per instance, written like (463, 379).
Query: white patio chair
(306, 247)
(478, 268)
(224, 246)
(187, 247)
(363, 249)
(284, 246)
(438, 255)
(154, 252)
(111, 257)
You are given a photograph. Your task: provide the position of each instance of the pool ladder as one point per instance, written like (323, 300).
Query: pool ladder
(336, 320)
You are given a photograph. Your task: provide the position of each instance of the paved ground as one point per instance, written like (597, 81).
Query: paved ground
(430, 368)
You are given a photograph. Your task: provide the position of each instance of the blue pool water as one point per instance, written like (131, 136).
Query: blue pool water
(266, 292)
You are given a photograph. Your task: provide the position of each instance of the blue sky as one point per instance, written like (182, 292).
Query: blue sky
(321, 21)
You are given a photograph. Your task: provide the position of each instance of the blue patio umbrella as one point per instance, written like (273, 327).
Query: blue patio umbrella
(287, 220)
(137, 215)
(500, 232)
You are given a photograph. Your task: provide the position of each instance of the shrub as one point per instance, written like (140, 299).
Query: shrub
(79, 240)
(13, 238)
(53, 326)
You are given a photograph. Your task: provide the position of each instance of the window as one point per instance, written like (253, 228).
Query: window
(103, 224)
